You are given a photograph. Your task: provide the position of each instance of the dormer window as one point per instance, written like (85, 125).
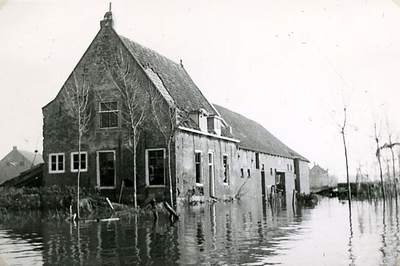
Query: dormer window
(203, 120)
(214, 124)
(200, 118)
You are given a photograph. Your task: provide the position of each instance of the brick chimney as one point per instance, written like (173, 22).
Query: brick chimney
(108, 20)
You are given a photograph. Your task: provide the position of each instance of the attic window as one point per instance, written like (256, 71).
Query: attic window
(108, 114)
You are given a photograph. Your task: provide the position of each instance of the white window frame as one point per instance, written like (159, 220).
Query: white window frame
(201, 164)
(57, 163)
(108, 111)
(212, 160)
(98, 169)
(73, 170)
(212, 176)
(147, 167)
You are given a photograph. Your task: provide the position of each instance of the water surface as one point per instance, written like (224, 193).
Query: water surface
(244, 232)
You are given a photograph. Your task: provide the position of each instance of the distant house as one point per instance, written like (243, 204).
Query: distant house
(206, 149)
(320, 178)
(32, 177)
(16, 162)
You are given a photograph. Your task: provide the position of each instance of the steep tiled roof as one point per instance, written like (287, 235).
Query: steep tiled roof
(255, 137)
(317, 168)
(159, 85)
(30, 156)
(175, 79)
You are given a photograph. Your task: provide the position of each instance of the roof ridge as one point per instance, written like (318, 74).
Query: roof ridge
(254, 136)
(180, 86)
(149, 49)
(31, 156)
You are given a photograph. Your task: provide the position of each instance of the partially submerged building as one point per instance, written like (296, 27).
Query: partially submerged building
(144, 112)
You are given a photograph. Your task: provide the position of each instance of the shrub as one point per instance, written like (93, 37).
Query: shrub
(50, 198)
(307, 199)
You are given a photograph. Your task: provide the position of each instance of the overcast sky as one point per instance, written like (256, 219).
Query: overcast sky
(289, 65)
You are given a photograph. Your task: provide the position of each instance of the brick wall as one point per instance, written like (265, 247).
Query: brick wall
(60, 130)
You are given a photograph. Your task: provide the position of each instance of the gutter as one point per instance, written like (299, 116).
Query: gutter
(207, 134)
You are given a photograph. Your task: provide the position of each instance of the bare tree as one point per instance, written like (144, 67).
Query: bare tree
(342, 123)
(168, 119)
(343, 127)
(166, 122)
(130, 90)
(76, 105)
(390, 145)
(378, 157)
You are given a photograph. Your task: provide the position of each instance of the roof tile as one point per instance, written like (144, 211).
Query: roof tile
(175, 79)
(254, 136)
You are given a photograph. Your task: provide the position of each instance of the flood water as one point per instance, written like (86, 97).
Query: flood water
(245, 232)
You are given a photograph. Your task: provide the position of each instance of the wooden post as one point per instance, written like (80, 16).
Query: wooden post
(171, 211)
(294, 197)
(110, 204)
(120, 193)
(294, 200)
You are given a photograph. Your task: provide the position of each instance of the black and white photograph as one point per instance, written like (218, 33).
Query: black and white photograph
(214, 132)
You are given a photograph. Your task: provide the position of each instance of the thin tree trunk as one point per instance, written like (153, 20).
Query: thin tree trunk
(399, 163)
(134, 171)
(347, 169)
(345, 156)
(394, 172)
(76, 98)
(79, 175)
(378, 156)
(169, 172)
(381, 175)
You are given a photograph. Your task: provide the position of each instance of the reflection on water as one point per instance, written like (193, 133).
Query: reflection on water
(246, 232)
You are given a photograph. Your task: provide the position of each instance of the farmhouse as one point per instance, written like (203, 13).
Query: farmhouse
(320, 179)
(16, 162)
(144, 126)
